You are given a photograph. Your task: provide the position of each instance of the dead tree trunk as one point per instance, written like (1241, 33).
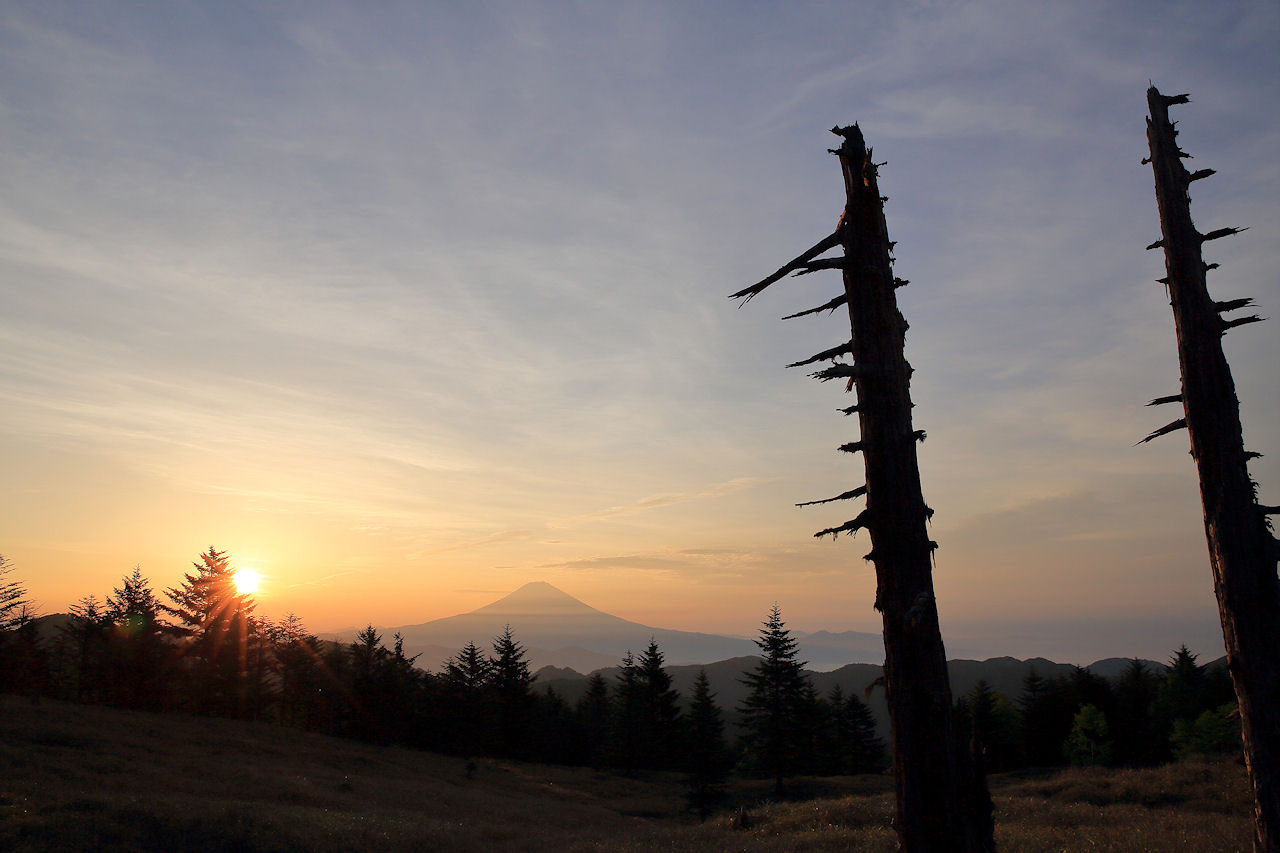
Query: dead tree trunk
(1242, 551)
(943, 804)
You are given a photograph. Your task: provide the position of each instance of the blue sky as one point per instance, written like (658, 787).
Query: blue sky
(408, 304)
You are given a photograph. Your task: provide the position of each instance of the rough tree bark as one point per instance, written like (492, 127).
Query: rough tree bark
(1242, 551)
(942, 798)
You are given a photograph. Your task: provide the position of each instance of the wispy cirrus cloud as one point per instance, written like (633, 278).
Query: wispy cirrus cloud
(665, 499)
(718, 565)
(494, 539)
(326, 580)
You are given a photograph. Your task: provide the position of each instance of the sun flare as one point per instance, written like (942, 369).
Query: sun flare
(247, 581)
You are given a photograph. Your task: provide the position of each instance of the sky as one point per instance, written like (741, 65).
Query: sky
(405, 305)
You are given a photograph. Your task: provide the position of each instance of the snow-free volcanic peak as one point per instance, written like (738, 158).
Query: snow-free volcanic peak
(559, 630)
(538, 598)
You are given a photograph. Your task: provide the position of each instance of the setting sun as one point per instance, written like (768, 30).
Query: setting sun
(247, 581)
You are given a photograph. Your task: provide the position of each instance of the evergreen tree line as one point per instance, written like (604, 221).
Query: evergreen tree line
(1142, 717)
(201, 649)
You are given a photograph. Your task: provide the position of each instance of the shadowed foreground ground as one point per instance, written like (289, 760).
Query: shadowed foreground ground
(75, 777)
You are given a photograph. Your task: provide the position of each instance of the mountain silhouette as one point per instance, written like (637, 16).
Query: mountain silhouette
(557, 629)
(538, 598)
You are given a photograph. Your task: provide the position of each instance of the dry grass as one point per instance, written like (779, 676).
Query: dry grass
(75, 778)
(1195, 805)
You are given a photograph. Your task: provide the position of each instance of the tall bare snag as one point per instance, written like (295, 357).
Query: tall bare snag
(1242, 550)
(942, 799)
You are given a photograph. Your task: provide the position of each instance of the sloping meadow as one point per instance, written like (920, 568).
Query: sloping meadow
(75, 777)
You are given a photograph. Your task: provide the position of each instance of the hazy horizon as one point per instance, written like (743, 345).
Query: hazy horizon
(406, 306)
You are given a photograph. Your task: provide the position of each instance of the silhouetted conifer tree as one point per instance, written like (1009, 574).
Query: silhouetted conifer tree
(302, 676)
(706, 757)
(995, 725)
(815, 734)
(85, 638)
(857, 746)
(512, 687)
(22, 662)
(466, 685)
(593, 711)
(1181, 692)
(660, 726)
(772, 711)
(412, 696)
(1136, 737)
(13, 598)
(25, 662)
(337, 701)
(388, 691)
(137, 651)
(220, 637)
(626, 739)
(368, 659)
(556, 735)
(1039, 748)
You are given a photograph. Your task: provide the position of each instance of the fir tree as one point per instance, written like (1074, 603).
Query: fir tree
(132, 606)
(815, 735)
(858, 748)
(1039, 747)
(137, 652)
(995, 726)
(660, 724)
(24, 664)
(626, 727)
(706, 759)
(14, 606)
(369, 686)
(302, 679)
(1181, 693)
(512, 687)
(556, 739)
(1136, 741)
(86, 638)
(771, 713)
(220, 633)
(593, 713)
(466, 687)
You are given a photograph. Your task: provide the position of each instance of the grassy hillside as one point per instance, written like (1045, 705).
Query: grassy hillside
(74, 777)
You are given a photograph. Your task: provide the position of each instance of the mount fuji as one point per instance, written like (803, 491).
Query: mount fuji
(558, 630)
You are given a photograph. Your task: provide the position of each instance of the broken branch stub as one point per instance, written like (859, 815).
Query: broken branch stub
(826, 355)
(850, 527)
(1180, 423)
(1233, 304)
(843, 496)
(828, 306)
(748, 293)
(840, 371)
(1240, 321)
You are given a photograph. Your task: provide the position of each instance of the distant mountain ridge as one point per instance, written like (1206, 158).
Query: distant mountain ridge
(1003, 674)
